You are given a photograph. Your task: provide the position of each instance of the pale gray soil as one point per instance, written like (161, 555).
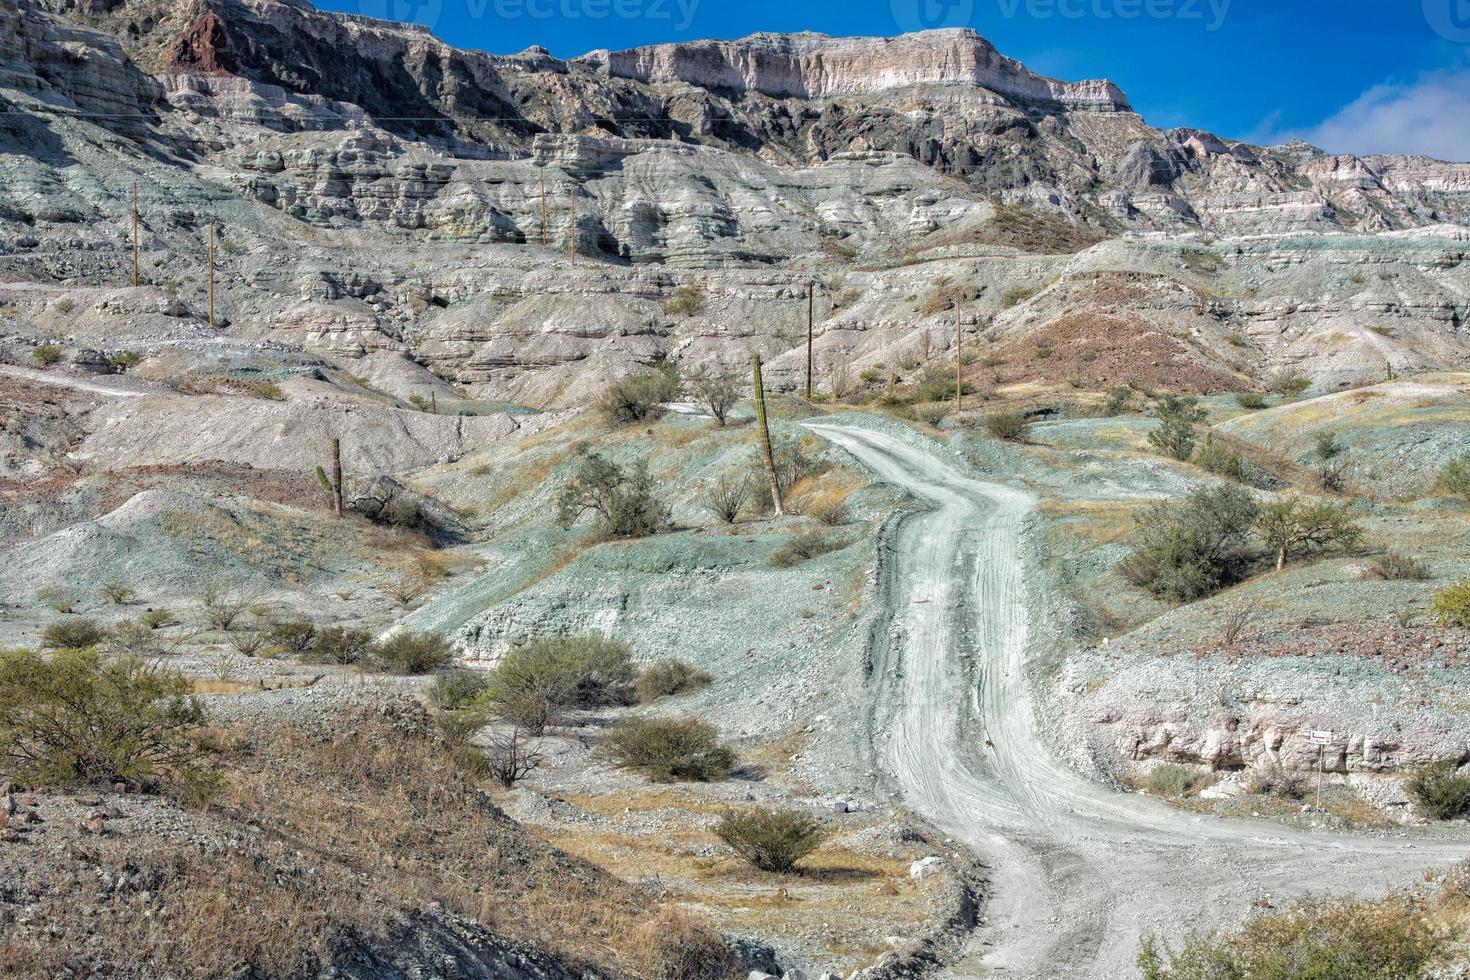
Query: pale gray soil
(1081, 871)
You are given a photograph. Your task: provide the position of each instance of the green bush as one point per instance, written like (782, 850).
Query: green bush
(72, 634)
(772, 840)
(639, 398)
(77, 718)
(1452, 604)
(411, 653)
(456, 688)
(1454, 479)
(623, 503)
(538, 678)
(805, 546)
(670, 750)
(1193, 547)
(686, 300)
(1217, 459)
(666, 678)
(293, 636)
(1439, 790)
(1394, 567)
(1173, 780)
(1174, 436)
(1316, 940)
(1120, 399)
(1289, 384)
(45, 355)
(1295, 525)
(1250, 400)
(339, 645)
(1010, 426)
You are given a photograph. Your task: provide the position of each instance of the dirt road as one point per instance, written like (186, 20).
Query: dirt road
(1080, 871)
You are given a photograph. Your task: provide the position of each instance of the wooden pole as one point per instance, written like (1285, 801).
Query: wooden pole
(572, 228)
(211, 274)
(135, 233)
(543, 209)
(959, 363)
(809, 285)
(765, 434)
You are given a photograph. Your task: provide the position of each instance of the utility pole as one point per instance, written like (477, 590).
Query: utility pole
(543, 209)
(211, 275)
(572, 226)
(135, 233)
(765, 434)
(809, 284)
(959, 362)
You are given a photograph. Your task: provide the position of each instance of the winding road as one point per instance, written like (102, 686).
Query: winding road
(1080, 872)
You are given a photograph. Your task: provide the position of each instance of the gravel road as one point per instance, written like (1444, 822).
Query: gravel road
(1080, 871)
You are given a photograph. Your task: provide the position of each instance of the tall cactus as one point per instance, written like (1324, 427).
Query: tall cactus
(765, 434)
(333, 484)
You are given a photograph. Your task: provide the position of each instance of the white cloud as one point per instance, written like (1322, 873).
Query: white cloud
(1428, 117)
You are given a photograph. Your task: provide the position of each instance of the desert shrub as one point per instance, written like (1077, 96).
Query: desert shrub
(1326, 446)
(1275, 780)
(638, 398)
(1017, 295)
(1010, 426)
(1174, 436)
(293, 636)
(1392, 566)
(456, 688)
(118, 593)
(339, 645)
(1174, 780)
(221, 609)
(933, 414)
(72, 634)
(45, 355)
(124, 359)
(157, 618)
(1454, 479)
(538, 678)
(718, 389)
(412, 653)
(1451, 604)
(248, 643)
(1295, 525)
(1315, 940)
(670, 750)
(805, 546)
(1439, 790)
(830, 512)
(1289, 384)
(623, 502)
(1190, 548)
(666, 678)
(677, 946)
(772, 840)
(686, 300)
(728, 497)
(1218, 459)
(510, 755)
(1120, 399)
(1250, 400)
(77, 718)
(268, 390)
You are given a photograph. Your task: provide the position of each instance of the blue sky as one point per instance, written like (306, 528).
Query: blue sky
(1355, 75)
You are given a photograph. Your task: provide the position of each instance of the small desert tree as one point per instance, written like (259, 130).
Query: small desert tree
(1454, 479)
(1294, 525)
(772, 840)
(717, 388)
(540, 677)
(1174, 436)
(623, 502)
(639, 398)
(1190, 548)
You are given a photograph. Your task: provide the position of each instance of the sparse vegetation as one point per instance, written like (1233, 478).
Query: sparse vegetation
(803, 547)
(539, 678)
(1316, 940)
(1439, 790)
(268, 390)
(668, 678)
(72, 634)
(1391, 566)
(623, 502)
(1120, 400)
(1217, 459)
(122, 360)
(1017, 295)
(670, 750)
(77, 718)
(117, 593)
(1451, 605)
(1276, 780)
(639, 398)
(686, 301)
(1174, 436)
(1296, 525)
(1193, 547)
(221, 609)
(1454, 479)
(772, 840)
(1289, 384)
(1010, 426)
(728, 497)
(339, 645)
(1250, 401)
(45, 355)
(456, 688)
(293, 636)
(1175, 781)
(412, 653)
(717, 388)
